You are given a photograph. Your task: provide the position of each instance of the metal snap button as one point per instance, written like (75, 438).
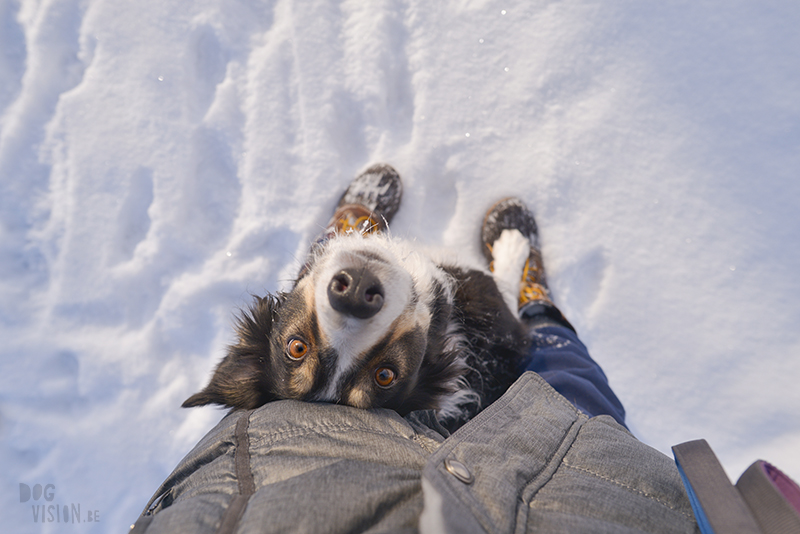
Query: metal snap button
(458, 470)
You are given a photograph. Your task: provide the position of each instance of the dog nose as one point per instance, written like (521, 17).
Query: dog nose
(358, 293)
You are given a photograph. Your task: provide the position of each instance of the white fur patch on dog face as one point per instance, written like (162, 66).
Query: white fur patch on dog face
(407, 278)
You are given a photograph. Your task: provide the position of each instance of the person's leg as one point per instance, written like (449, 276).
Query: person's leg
(556, 353)
(559, 357)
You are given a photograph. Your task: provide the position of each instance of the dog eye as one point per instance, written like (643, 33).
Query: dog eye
(296, 349)
(384, 377)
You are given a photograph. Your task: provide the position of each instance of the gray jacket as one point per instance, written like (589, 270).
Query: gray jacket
(530, 462)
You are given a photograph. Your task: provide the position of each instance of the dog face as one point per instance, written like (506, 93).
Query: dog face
(366, 325)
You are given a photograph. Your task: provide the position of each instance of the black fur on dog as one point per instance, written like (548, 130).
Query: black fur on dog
(460, 358)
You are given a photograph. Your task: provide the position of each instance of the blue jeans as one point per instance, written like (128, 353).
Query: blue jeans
(558, 356)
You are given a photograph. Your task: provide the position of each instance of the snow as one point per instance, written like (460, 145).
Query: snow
(161, 161)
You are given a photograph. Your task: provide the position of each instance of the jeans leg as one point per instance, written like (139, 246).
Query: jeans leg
(559, 357)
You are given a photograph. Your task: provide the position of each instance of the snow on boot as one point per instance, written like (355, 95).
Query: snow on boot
(534, 295)
(369, 203)
(378, 189)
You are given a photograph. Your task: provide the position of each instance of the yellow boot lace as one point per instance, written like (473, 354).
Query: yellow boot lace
(355, 218)
(363, 225)
(531, 288)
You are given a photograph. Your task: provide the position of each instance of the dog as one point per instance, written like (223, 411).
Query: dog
(376, 321)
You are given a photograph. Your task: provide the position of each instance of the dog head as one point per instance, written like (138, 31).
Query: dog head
(366, 325)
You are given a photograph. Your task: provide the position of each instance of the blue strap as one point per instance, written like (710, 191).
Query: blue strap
(718, 507)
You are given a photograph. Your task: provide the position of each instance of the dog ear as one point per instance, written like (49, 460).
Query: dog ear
(242, 378)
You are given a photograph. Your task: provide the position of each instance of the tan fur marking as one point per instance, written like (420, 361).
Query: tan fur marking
(408, 320)
(358, 398)
(405, 324)
(308, 292)
(307, 287)
(303, 377)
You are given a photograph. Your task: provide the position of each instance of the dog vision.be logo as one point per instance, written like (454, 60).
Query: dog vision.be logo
(45, 510)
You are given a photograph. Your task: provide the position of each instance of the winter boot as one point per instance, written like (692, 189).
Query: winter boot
(370, 202)
(535, 304)
(366, 207)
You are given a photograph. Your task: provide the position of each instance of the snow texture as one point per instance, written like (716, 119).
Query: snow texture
(161, 161)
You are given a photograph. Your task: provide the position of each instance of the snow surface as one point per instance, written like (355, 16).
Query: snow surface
(161, 161)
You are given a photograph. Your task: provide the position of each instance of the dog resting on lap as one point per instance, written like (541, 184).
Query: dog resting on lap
(375, 321)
